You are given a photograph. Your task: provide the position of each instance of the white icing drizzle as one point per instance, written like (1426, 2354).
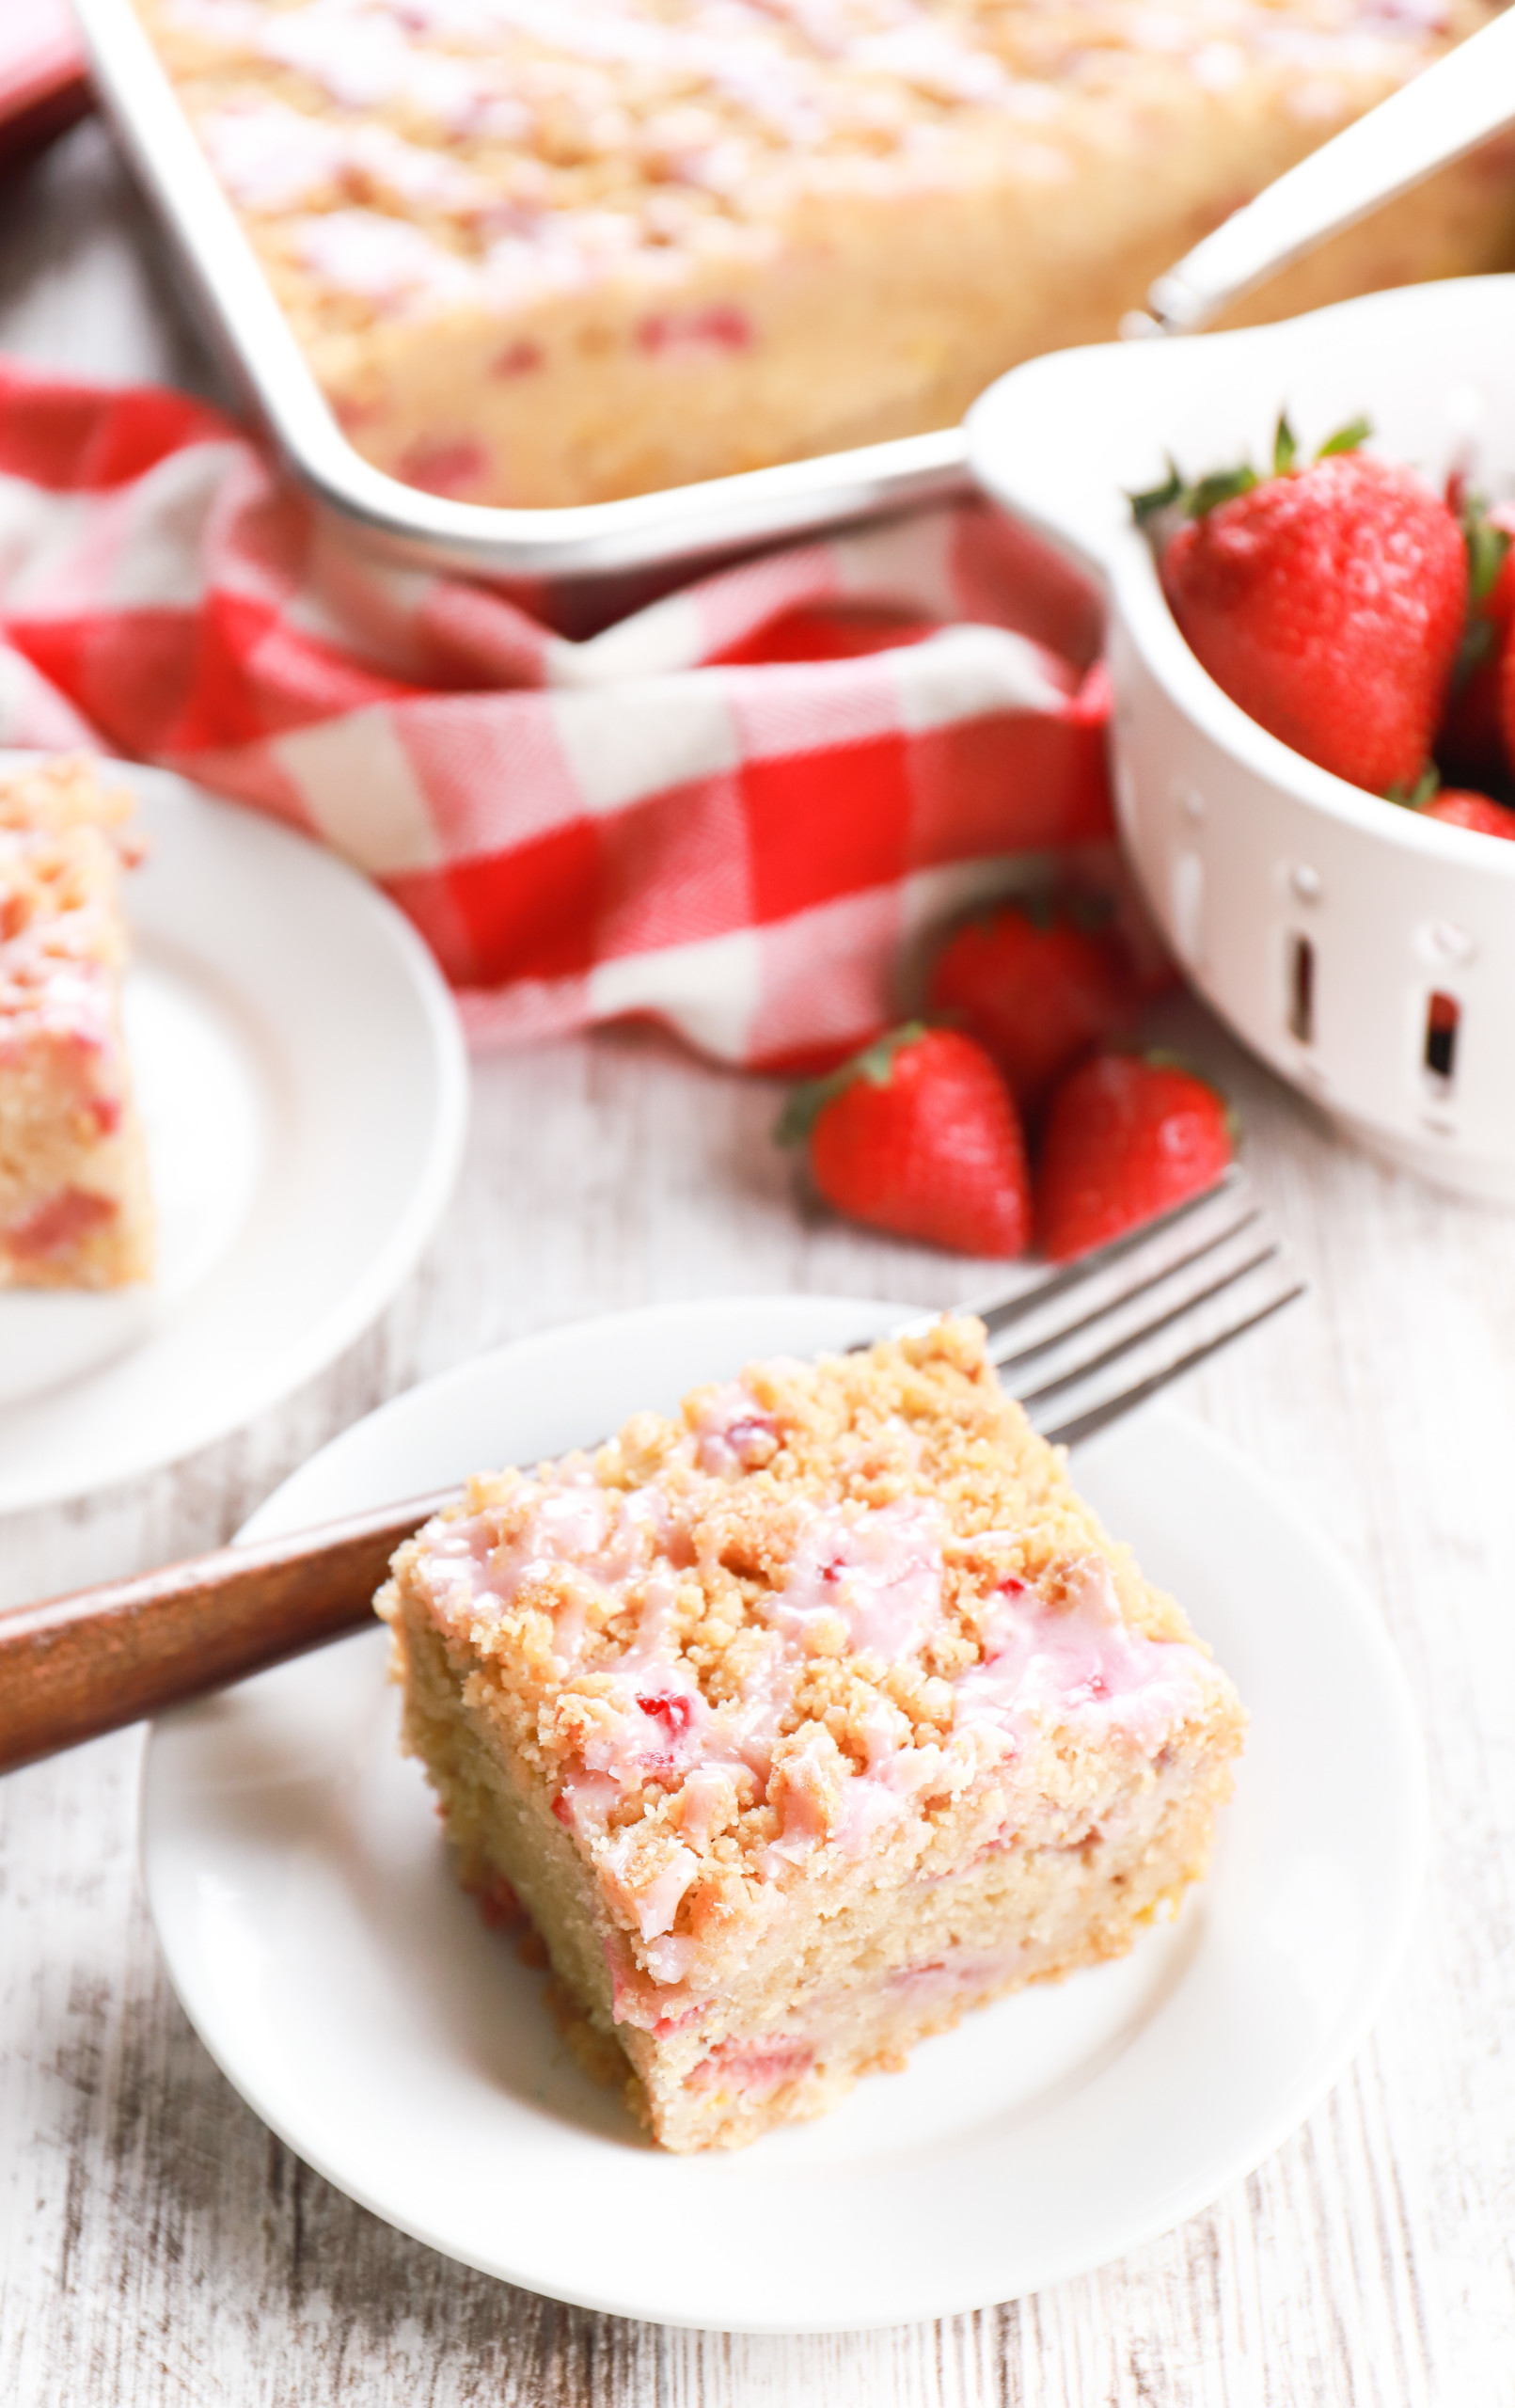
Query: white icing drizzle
(55, 984)
(694, 123)
(1076, 1664)
(389, 263)
(790, 64)
(881, 1572)
(866, 1581)
(271, 157)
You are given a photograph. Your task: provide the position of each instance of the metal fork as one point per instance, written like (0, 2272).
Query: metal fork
(1096, 1339)
(1176, 1269)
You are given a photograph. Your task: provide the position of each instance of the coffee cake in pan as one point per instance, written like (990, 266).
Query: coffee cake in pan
(550, 254)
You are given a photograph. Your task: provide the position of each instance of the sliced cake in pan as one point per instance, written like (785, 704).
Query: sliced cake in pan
(547, 254)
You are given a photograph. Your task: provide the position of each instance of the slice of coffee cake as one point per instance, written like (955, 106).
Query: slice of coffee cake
(75, 1210)
(805, 1720)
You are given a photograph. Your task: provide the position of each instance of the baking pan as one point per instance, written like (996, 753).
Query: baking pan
(685, 524)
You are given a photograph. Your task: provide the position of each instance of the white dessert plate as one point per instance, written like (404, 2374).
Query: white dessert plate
(346, 1986)
(304, 1086)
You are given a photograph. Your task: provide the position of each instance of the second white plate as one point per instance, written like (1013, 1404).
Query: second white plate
(304, 1086)
(320, 1946)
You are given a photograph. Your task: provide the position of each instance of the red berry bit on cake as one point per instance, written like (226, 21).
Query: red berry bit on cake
(804, 1720)
(74, 1204)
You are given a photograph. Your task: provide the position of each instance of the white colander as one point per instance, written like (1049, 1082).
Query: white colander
(1365, 952)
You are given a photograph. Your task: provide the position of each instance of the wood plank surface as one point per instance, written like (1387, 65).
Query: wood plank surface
(158, 2245)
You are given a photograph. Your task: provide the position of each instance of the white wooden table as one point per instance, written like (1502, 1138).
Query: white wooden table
(158, 2246)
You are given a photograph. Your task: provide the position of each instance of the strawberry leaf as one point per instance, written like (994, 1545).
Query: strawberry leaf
(1424, 790)
(1041, 907)
(1161, 1058)
(1146, 505)
(1033, 903)
(1222, 484)
(1487, 546)
(1349, 438)
(808, 1102)
(1091, 914)
(1478, 641)
(1208, 493)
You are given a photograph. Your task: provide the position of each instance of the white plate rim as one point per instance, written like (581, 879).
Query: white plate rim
(437, 1166)
(1176, 2205)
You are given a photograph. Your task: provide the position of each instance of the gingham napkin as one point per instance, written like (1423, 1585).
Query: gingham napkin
(739, 809)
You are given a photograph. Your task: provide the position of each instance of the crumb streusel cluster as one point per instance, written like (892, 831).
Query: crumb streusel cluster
(788, 1619)
(516, 143)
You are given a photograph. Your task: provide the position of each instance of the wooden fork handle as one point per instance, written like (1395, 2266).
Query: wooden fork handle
(73, 1666)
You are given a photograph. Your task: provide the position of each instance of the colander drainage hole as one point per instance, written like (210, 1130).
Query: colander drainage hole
(1442, 1014)
(1302, 989)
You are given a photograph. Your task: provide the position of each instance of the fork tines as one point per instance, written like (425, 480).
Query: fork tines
(1095, 1339)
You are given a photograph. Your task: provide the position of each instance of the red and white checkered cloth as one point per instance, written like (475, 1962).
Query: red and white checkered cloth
(738, 810)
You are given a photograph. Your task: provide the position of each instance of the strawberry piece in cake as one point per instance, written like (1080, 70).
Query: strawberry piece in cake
(804, 1720)
(74, 1204)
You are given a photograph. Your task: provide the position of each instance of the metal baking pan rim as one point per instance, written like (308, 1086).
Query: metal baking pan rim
(684, 523)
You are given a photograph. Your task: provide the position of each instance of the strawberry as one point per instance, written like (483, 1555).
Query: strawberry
(1327, 600)
(1472, 743)
(1127, 1137)
(1457, 808)
(1037, 989)
(918, 1134)
(1503, 669)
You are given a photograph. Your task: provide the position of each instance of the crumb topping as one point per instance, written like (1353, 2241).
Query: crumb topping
(60, 942)
(745, 1641)
(62, 792)
(400, 157)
